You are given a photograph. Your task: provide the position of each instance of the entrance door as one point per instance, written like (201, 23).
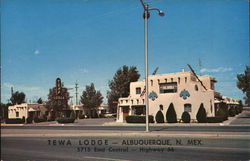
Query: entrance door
(125, 111)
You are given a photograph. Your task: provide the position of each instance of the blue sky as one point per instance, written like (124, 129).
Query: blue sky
(88, 40)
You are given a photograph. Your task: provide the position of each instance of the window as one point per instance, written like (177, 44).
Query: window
(151, 82)
(158, 80)
(138, 90)
(196, 88)
(137, 101)
(17, 114)
(172, 79)
(179, 80)
(166, 80)
(185, 79)
(168, 87)
(187, 107)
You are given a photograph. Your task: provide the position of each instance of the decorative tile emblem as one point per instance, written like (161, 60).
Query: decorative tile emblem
(152, 95)
(184, 94)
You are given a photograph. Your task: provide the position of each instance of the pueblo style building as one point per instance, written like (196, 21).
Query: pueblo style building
(185, 90)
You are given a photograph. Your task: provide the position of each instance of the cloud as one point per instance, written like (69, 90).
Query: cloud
(36, 52)
(216, 70)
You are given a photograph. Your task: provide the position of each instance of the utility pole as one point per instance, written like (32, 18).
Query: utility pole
(76, 93)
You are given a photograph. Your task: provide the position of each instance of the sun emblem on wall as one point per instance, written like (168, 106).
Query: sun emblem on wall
(184, 94)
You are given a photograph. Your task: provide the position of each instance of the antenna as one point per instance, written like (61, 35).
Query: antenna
(76, 93)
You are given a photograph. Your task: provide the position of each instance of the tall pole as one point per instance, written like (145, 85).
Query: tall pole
(146, 64)
(146, 15)
(76, 93)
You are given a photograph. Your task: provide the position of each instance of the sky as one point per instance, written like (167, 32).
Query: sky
(89, 40)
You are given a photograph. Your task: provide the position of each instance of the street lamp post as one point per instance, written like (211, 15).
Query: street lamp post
(146, 15)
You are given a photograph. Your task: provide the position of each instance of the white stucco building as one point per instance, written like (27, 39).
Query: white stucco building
(26, 110)
(183, 89)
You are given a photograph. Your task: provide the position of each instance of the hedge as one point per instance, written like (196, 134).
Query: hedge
(65, 120)
(185, 117)
(139, 119)
(232, 112)
(15, 121)
(216, 119)
(29, 120)
(159, 117)
(38, 119)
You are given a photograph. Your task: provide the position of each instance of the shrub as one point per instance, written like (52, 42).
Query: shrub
(73, 115)
(39, 119)
(237, 110)
(201, 115)
(223, 112)
(15, 121)
(159, 117)
(52, 118)
(29, 120)
(185, 117)
(232, 112)
(216, 119)
(171, 114)
(81, 116)
(139, 119)
(64, 120)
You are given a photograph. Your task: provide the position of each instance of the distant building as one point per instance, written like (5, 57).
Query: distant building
(26, 110)
(184, 89)
(80, 109)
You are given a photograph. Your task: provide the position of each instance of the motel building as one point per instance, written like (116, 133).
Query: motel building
(185, 90)
(26, 110)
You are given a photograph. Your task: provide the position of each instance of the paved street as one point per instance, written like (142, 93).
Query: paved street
(131, 142)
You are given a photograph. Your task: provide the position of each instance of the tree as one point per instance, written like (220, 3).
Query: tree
(58, 99)
(171, 114)
(17, 98)
(244, 84)
(119, 85)
(91, 99)
(159, 117)
(40, 101)
(201, 115)
(185, 117)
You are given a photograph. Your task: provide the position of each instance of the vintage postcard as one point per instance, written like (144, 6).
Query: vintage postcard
(125, 80)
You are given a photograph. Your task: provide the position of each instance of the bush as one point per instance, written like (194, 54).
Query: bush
(171, 114)
(185, 117)
(216, 119)
(201, 115)
(139, 119)
(29, 120)
(39, 119)
(237, 110)
(159, 117)
(64, 120)
(15, 121)
(73, 115)
(81, 116)
(52, 118)
(232, 112)
(222, 112)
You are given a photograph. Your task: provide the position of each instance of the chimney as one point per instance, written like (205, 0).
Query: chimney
(182, 70)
